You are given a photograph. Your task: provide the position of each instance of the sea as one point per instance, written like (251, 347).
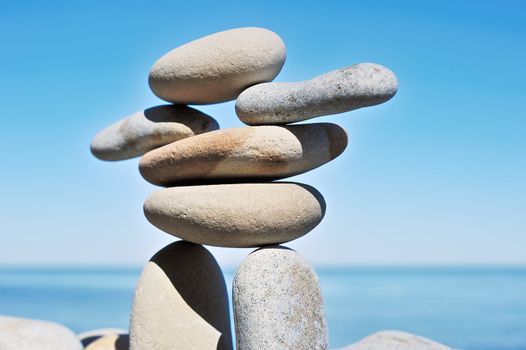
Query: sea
(471, 308)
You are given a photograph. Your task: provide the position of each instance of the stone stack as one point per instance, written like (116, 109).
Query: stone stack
(221, 191)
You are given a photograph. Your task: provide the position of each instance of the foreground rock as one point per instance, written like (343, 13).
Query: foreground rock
(236, 215)
(339, 91)
(181, 302)
(393, 340)
(26, 334)
(241, 154)
(278, 302)
(217, 67)
(105, 339)
(145, 130)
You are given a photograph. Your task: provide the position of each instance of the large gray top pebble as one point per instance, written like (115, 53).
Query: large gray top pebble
(217, 67)
(339, 91)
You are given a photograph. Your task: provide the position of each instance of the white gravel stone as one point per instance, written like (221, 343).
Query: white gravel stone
(395, 340)
(236, 215)
(105, 339)
(143, 131)
(278, 302)
(26, 334)
(181, 302)
(217, 67)
(339, 91)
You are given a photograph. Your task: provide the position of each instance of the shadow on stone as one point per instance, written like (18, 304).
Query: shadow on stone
(197, 277)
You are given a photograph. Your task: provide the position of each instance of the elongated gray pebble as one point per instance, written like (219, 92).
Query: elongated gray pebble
(395, 340)
(241, 154)
(181, 302)
(278, 302)
(339, 91)
(143, 131)
(217, 67)
(236, 215)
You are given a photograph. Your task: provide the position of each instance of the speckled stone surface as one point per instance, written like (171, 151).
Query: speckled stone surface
(217, 67)
(339, 91)
(278, 302)
(26, 334)
(181, 302)
(241, 154)
(395, 340)
(143, 131)
(236, 215)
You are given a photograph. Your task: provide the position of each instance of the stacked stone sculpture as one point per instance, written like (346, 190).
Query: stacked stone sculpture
(221, 191)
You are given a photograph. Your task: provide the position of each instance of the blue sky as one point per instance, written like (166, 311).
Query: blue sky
(434, 176)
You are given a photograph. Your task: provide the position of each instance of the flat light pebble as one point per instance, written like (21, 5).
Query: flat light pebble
(278, 302)
(26, 334)
(105, 339)
(217, 67)
(236, 215)
(394, 340)
(181, 302)
(241, 154)
(143, 131)
(339, 91)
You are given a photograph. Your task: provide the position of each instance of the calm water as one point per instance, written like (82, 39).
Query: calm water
(467, 308)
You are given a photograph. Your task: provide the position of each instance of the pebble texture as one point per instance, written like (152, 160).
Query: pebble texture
(26, 334)
(181, 302)
(217, 67)
(339, 91)
(278, 302)
(236, 215)
(143, 131)
(238, 154)
(393, 340)
(105, 339)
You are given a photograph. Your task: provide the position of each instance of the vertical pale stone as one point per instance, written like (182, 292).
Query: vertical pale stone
(278, 302)
(181, 302)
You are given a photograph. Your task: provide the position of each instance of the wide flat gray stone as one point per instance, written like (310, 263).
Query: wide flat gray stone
(236, 215)
(343, 90)
(278, 302)
(154, 127)
(217, 67)
(27, 334)
(181, 302)
(244, 154)
(395, 340)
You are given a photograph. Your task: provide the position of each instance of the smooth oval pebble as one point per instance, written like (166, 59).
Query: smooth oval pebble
(217, 67)
(143, 131)
(105, 339)
(27, 334)
(278, 302)
(248, 153)
(395, 340)
(236, 215)
(339, 91)
(181, 302)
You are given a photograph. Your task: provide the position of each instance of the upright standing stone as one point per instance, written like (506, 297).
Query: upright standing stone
(278, 302)
(181, 302)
